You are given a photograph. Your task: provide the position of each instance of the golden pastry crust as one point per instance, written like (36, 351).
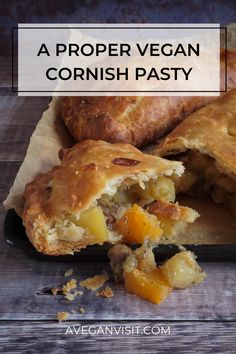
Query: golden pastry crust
(211, 131)
(134, 120)
(87, 171)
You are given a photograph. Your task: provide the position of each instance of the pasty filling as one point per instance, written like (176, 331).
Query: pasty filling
(136, 212)
(202, 177)
(143, 277)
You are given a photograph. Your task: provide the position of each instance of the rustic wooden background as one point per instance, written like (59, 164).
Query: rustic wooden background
(202, 319)
(13, 12)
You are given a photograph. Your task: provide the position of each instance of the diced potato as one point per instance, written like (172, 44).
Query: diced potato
(136, 225)
(151, 286)
(94, 221)
(145, 258)
(182, 270)
(163, 188)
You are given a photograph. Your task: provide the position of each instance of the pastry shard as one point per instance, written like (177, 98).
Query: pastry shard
(136, 120)
(101, 193)
(206, 143)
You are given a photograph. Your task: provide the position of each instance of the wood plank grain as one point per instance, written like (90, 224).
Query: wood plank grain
(8, 171)
(27, 284)
(18, 118)
(5, 72)
(180, 337)
(14, 142)
(22, 111)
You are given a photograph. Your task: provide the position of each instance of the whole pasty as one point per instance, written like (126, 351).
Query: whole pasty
(135, 120)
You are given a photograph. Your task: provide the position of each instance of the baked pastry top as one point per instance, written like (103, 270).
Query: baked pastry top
(100, 194)
(135, 120)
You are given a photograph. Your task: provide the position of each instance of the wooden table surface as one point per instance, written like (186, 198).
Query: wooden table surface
(201, 319)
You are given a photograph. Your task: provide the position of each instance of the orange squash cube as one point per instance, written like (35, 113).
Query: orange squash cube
(151, 286)
(136, 226)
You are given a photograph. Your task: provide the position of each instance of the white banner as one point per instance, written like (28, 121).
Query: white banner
(120, 60)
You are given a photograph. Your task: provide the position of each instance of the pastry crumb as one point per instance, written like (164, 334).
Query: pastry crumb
(71, 296)
(82, 310)
(107, 292)
(95, 282)
(69, 272)
(70, 285)
(55, 291)
(62, 316)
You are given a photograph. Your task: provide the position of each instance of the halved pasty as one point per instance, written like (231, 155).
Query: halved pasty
(206, 144)
(103, 193)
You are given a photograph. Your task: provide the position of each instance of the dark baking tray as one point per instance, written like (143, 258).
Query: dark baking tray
(15, 236)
